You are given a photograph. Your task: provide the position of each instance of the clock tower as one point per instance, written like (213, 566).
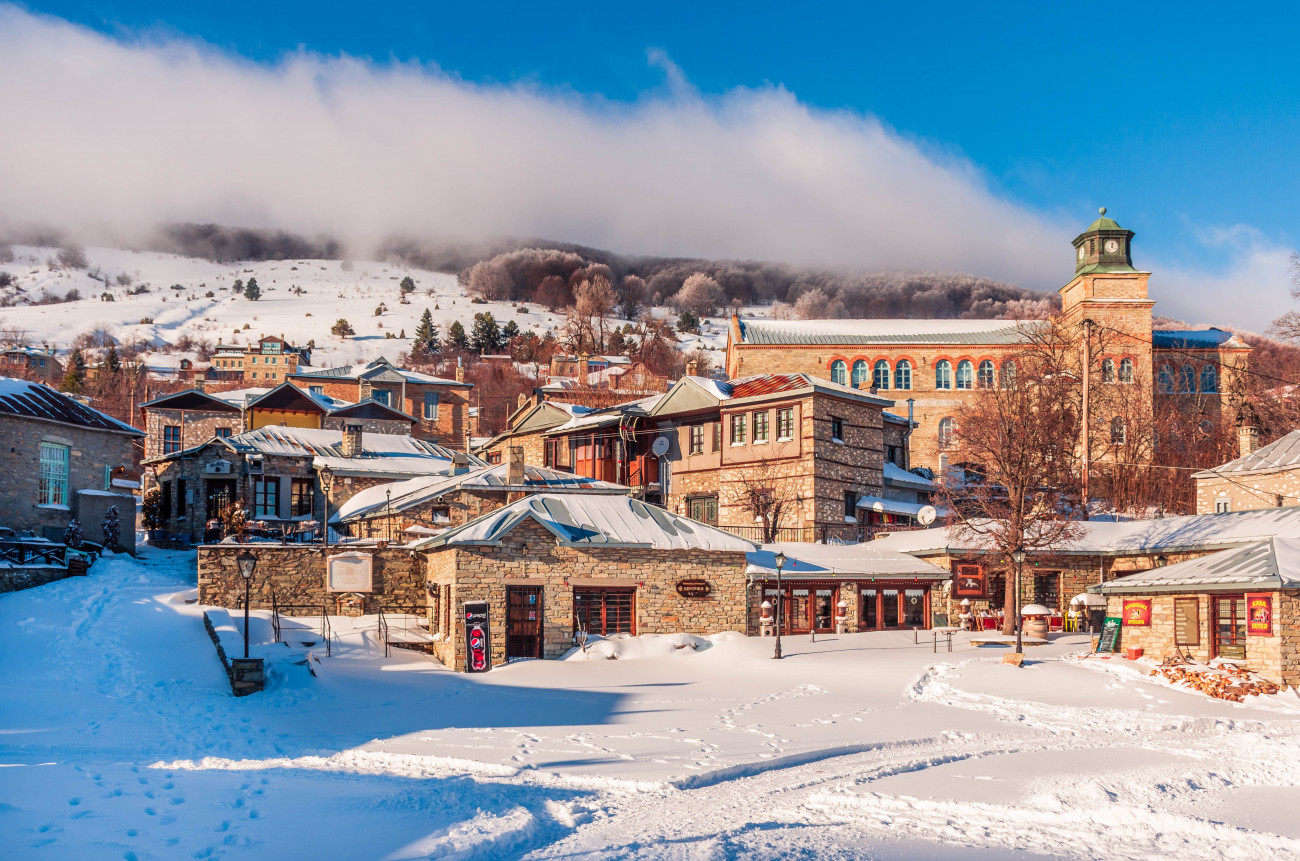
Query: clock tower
(1103, 247)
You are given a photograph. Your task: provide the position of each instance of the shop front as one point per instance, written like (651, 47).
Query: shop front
(888, 606)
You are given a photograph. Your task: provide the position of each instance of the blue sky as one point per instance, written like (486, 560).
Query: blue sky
(1182, 120)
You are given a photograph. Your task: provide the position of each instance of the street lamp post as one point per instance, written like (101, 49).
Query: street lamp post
(326, 482)
(1018, 556)
(780, 563)
(247, 565)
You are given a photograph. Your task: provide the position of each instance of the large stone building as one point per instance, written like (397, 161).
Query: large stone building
(268, 362)
(439, 406)
(61, 458)
(939, 365)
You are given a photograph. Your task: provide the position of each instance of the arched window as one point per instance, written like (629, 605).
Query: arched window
(859, 373)
(880, 374)
(943, 375)
(1209, 379)
(839, 372)
(1009, 374)
(986, 374)
(1186, 380)
(1165, 380)
(965, 374)
(1108, 370)
(1126, 370)
(947, 430)
(1117, 434)
(903, 375)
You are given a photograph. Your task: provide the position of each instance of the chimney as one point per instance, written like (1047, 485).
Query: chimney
(352, 439)
(459, 463)
(365, 391)
(515, 466)
(523, 400)
(691, 368)
(1247, 440)
(460, 371)
(584, 362)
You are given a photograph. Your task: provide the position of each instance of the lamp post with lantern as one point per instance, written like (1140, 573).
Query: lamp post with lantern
(326, 482)
(247, 562)
(780, 563)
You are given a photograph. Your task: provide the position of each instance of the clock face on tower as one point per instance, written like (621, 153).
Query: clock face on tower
(1081, 252)
(1112, 246)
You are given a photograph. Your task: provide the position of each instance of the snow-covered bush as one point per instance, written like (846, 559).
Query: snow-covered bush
(72, 534)
(112, 527)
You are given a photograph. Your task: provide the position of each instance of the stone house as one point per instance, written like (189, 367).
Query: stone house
(439, 406)
(551, 564)
(524, 428)
(1241, 605)
(38, 364)
(942, 364)
(1267, 477)
(1106, 551)
(60, 450)
(275, 473)
(268, 362)
(430, 504)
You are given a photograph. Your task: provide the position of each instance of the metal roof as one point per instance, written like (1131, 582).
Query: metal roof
(1280, 454)
(849, 332)
(378, 370)
(402, 495)
(35, 401)
(1194, 339)
(191, 399)
(584, 520)
(1270, 564)
(828, 561)
(896, 476)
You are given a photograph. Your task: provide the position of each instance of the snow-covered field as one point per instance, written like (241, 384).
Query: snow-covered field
(329, 292)
(119, 739)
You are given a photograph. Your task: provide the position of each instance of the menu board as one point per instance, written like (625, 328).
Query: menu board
(1187, 622)
(1110, 635)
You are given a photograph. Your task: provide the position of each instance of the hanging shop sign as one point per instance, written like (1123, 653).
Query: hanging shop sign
(349, 572)
(478, 640)
(1259, 614)
(694, 588)
(968, 582)
(1137, 612)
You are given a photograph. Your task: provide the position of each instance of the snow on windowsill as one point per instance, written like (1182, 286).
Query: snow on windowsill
(54, 508)
(837, 440)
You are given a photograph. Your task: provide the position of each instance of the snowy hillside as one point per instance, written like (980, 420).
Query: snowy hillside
(300, 301)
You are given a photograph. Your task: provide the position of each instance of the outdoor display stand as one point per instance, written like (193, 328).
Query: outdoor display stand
(1110, 636)
(478, 639)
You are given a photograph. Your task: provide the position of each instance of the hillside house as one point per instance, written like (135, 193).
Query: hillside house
(38, 364)
(1267, 477)
(267, 362)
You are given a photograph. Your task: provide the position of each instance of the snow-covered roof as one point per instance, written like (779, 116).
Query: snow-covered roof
(1279, 454)
(402, 495)
(38, 352)
(240, 397)
(1195, 339)
(609, 416)
(826, 561)
(381, 454)
(890, 506)
(378, 369)
(896, 476)
(34, 401)
(1270, 564)
(1193, 532)
(755, 331)
(583, 520)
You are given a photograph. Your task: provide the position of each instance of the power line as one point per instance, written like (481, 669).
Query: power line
(1218, 362)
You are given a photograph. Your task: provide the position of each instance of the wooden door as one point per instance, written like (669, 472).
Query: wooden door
(889, 608)
(524, 620)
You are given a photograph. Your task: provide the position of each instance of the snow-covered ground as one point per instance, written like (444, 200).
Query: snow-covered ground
(119, 738)
(330, 292)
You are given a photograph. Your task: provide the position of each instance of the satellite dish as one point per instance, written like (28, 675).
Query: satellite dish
(927, 515)
(659, 447)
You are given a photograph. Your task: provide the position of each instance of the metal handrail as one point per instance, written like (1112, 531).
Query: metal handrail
(275, 617)
(383, 633)
(326, 632)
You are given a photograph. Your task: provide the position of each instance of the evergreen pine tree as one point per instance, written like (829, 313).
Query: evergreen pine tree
(407, 285)
(112, 361)
(238, 286)
(456, 335)
(74, 377)
(252, 291)
(485, 336)
(509, 331)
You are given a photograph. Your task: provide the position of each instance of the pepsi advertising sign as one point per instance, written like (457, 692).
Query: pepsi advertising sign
(478, 639)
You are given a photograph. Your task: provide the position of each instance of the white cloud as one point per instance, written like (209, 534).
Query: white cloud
(125, 133)
(1250, 291)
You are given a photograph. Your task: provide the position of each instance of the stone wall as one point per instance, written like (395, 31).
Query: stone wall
(528, 556)
(296, 576)
(1248, 492)
(448, 429)
(16, 578)
(92, 452)
(91, 507)
(196, 426)
(400, 427)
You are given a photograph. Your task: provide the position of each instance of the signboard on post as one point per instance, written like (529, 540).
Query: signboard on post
(349, 572)
(478, 637)
(1110, 636)
(1137, 612)
(1259, 614)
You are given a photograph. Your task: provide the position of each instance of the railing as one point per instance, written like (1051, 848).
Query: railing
(275, 617)
(383, 633)
(326, 632)
(21, 552)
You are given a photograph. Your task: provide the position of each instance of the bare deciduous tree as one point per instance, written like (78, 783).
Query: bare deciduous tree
(759, 491)
(700, 295)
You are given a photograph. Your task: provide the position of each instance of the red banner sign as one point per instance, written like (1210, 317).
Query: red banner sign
(968, 582)
(1137, 612)
(1259, 615)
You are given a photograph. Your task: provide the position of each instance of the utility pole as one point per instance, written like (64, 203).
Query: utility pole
(1087, 374)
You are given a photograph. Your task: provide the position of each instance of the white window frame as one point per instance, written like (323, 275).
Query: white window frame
(434, 416)
(55, 469)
